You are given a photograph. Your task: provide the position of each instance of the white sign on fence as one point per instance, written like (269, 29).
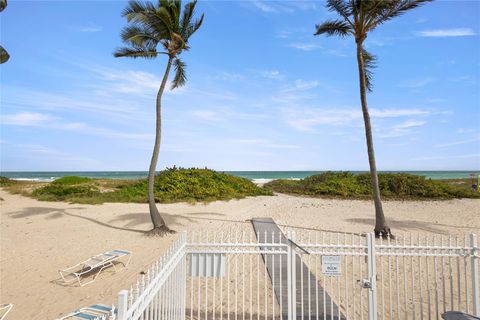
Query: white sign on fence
(207, 264)
(331, 265)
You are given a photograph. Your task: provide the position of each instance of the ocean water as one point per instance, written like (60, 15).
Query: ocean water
(257, 176)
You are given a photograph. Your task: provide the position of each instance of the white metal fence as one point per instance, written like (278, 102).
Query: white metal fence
(160, 292)
(310, 275)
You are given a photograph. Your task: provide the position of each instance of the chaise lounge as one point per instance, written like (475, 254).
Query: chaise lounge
(95, 265)
(95, 312)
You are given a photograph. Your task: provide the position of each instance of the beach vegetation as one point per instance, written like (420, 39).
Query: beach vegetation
(357, 18)
(4, 181)
(393, 186)
(172, 185)
(156, 29)
(71, 180)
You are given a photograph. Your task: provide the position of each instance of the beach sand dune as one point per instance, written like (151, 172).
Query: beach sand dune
(39, 238)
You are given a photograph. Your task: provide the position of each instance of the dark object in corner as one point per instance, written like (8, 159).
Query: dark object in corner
(457, 315)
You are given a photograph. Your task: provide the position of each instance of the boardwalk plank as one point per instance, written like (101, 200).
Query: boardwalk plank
(277, 269)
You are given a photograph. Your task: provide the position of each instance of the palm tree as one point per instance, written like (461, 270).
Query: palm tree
(358, 18)
(4, 56)
(149, 25)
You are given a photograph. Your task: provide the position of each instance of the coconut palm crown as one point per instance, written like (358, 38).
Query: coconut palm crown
(4, 56)
(165, 25)
(357, 19)
(153, 30)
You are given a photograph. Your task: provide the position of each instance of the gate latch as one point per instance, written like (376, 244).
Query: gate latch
(366, 284)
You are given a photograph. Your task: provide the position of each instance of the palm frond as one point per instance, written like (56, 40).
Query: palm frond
(3, 5)
(388, 10)
(136, 53)
(180, 76)
(140, 35)
(369, 63)
(136, 9)
(175, 9)
(163, 16)
(333, 28)
(192, 28)
(341, 7)
(4, 56)
(188, 12)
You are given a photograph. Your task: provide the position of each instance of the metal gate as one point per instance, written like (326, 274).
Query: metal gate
(240, 274)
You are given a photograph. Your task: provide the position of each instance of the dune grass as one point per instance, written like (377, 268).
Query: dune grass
(172, 185)
(203, 185)
(396, 186)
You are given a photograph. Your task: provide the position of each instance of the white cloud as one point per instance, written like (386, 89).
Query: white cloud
(393, 113)
(456, 32)
(250, 141)
(272, 74)
(264, 143)
(85, 128)
(50, 122)
(308, 119)
(467, 130)
(284, 34)
(409, 124)
(305, 46)
(43, 152)
(457, 143)
(129, 81)
(105, 103)
(90, 29)
(305, 85)
(416, 83)
(208, 115)
(280, 6)
(26, 118)
(263, 6)
(229, 76)
(461, 156)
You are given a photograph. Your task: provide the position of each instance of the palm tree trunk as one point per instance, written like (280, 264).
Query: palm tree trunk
(381, 227)
(159, 226)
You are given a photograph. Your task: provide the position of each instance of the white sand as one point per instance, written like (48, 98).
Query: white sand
(38, 238)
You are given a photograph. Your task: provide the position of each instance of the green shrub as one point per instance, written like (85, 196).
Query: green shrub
(65, 188)
(5, 182)
(69, 180)
(192, 185)
(392, 186)
(171, 185)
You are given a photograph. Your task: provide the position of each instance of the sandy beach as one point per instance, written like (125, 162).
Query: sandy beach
(39, 238)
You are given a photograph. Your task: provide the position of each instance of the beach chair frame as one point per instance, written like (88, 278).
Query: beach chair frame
(7, 306)
(94, 264)
(96, 311)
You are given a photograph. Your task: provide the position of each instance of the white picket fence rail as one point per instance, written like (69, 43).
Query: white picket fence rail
(160, 292)
(243, 275)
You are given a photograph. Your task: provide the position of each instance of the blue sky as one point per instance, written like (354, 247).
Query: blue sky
(263, 93)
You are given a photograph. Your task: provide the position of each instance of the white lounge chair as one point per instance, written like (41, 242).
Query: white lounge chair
(95, 312)
(4, 309)
(94, 264)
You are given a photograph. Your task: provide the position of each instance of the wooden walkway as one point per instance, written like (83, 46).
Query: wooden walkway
(277, 268)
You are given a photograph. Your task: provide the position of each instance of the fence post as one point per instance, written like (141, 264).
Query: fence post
(122, 305)
(475, 289)
(184, 278)
(294, 276)
(372, 277)
(291, 278)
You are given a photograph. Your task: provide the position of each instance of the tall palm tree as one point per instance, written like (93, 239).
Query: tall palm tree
(4, 56)
(151, 25)
(357, 19)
